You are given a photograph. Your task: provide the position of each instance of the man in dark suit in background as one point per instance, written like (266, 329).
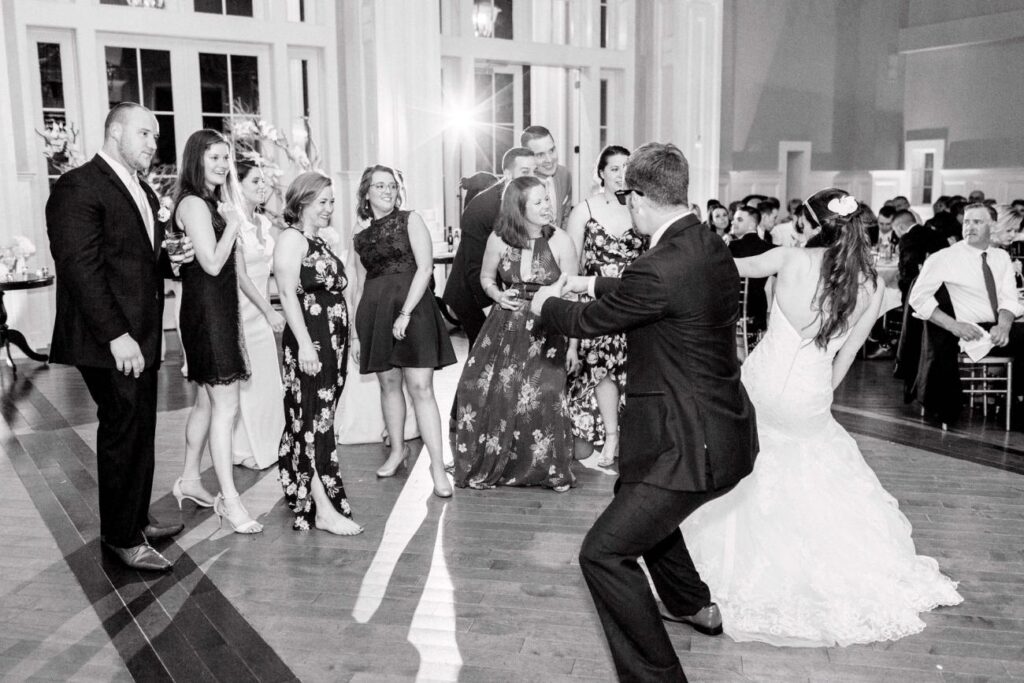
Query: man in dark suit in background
(745, 244)
(688, 428)
(463, 293)
(105, 237)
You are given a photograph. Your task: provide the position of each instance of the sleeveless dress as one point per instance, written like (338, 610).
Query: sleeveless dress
(512, 417)
(308, 444)
(386, 254)
(809, 549)
(260, 418)
(210, 325)
(604, 255)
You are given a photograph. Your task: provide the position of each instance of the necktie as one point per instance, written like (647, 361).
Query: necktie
(990, 285)
(143, 203)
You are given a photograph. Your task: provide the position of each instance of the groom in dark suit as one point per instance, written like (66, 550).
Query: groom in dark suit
(105, 237)
(688, 429)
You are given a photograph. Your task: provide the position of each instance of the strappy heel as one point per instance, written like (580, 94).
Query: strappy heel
(246, 525)
(180, 495)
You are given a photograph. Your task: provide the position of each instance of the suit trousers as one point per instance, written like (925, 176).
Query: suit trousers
(643, 520)
(126, 409)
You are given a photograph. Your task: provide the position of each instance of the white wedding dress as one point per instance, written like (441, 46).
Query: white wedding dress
(809, 549)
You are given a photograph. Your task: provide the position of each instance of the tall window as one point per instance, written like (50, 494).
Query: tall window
(495, 111)
(51, 83)
(230, 85)
(144, 76)
(928, 178)
(238, 8)
(603, 121)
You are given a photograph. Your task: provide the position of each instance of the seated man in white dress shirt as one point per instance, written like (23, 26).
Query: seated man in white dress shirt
(981, 285)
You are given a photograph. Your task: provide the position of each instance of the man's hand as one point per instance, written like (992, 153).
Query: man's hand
(545, 293)
(576, 284)
(966, 331)
(127, 355)
(1000, 334)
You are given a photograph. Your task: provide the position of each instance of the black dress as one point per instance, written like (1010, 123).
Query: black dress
(385, 252)
(210, 323)
(308, 444)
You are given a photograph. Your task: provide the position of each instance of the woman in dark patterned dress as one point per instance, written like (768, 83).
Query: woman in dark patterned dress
(207, 209)
(402, 336)
(512, 419)
(602, 232)
(311, 279)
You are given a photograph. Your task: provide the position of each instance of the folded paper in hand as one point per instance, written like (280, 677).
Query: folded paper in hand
(979, 348)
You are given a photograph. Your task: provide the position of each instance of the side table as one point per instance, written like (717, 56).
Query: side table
(10, 335)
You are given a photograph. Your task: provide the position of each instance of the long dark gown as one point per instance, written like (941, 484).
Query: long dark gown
(512, 421)
(308, 442)
(604, 255)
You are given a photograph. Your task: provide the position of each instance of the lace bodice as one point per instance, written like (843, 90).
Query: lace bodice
(384, 247)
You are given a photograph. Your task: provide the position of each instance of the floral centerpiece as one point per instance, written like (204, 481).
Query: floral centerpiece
(61, 146)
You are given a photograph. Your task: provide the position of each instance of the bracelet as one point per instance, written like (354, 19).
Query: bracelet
(403, 313)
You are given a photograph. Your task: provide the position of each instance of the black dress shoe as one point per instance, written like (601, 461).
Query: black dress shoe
(157, 531)
(707, 621)
(142, 556)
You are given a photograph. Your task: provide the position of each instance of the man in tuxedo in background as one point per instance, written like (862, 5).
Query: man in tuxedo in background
(556, 177)
(105, 237)
(463, 293)
(688, 428)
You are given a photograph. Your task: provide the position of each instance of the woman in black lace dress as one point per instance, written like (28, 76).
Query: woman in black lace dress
(206, 208)
(311, 281)
(402, 336)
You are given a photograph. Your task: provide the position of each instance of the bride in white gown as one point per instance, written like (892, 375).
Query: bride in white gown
(809, 549)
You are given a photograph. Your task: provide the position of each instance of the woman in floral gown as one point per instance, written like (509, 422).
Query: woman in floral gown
(602, 232)
(512, 419)
(311, 280)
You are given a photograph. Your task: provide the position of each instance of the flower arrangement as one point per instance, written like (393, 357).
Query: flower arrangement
(61, 146)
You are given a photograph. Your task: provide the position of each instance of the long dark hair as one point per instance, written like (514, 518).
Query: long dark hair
(192, 175)
(363, 209)
(847, 264)
(511, 223)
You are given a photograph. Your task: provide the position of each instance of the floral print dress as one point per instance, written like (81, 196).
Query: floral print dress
(512, 419)
(604, 255)
(308, 444)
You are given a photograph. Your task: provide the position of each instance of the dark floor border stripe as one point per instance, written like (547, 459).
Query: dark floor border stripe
(202, 637)
(933, 440)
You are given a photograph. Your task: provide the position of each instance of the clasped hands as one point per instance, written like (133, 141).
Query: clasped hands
(566, 284)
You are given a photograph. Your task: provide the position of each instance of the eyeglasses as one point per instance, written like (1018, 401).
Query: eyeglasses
(380, 187)
(622, 194)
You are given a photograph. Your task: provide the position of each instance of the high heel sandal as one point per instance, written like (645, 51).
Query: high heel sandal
(180, 495)
(609, 456)
(384, 472)
(442, 491)
(248, 525)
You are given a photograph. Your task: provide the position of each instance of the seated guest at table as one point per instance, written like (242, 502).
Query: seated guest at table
(402, 336)
(917, 242)
(769, 210)
(513, 426)
(883, 233)
(462, 293)
(719, 223)
(979, 279)
(745, 244)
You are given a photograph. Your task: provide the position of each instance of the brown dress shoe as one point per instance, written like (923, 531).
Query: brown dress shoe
(707, 621)
(142, 556)
(155, 531)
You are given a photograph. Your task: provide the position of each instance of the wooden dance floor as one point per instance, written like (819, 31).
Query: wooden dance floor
(484, 587)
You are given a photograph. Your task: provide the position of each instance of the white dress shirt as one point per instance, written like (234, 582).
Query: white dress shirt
(959, 268)
(655, 238)
(131, 181)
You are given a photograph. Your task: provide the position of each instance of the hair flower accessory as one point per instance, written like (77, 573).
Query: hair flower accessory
(843, 206)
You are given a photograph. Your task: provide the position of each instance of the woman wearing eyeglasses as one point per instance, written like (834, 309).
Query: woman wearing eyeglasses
(402, 336)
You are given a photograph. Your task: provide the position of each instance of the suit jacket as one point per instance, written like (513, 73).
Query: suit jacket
(916, 245)
(109, 274)
(688, 424)
(561, 203)
(463, 292)
(757, 298)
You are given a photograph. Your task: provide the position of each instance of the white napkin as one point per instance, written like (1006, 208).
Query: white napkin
(979, 348)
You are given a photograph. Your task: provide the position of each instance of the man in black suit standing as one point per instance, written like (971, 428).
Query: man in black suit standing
(105, 237)
(463, 293)
(688, 428)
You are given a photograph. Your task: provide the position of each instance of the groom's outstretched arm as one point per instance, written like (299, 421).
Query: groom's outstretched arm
(637, 299)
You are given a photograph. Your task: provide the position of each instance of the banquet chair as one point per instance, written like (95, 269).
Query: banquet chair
(746, 336)
(989, 376)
